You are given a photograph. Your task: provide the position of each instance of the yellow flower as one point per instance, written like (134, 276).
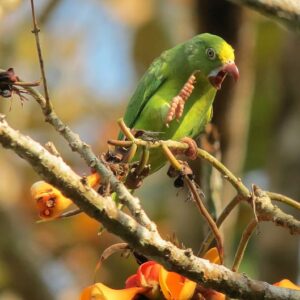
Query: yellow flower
(99, 291)
(287, 284)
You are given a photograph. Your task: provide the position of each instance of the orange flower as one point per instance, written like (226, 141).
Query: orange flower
(99, 291)
(50, 202)
(175, 286)
(213, 256)
(93, 179)
(147, 276)
(209, 294)
(154, 282)
(287, 284)
(161, 282)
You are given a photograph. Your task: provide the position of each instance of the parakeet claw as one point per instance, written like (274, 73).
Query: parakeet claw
(177, 105)
(191, 152)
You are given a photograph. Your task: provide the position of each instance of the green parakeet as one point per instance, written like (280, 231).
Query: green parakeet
(167, 91)
(175, 95)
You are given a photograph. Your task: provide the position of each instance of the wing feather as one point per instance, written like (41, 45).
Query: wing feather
(152, 80)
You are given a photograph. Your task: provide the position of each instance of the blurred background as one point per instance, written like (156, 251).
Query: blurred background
(95, 52)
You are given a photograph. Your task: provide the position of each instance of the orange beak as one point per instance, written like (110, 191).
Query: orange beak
(217, 76)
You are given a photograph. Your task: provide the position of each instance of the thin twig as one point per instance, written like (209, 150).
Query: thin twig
(225, 213)
(127, 133)
(67, 214)
(243, 245)
(263, 203)
(228, 175)
(107, 253)
(35, 31)
(76, 144)
(284, 199)
(197, 199)
(125, 130)
(22, 83)
(252, 201)
(128, 157)
(70, 213)
(120, 143)
(172, 159)
(205, 213)
(144, 160)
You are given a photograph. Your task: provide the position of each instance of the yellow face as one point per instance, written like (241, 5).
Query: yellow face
(226, 53)
(213, 57)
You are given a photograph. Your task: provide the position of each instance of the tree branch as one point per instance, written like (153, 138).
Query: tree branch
(285, 11)
(262, 201)
(77, 145)
(284, 199)
(104, 210)
(269, 212)
(36, 31)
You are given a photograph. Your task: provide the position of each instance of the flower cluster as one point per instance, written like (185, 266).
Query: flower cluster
(154, 282)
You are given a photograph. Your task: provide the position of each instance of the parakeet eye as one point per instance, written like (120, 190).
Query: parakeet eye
(211, 54)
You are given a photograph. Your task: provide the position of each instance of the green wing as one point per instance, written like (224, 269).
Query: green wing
(152, 80)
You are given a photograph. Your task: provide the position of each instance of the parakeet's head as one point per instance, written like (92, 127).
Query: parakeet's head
(213, 57)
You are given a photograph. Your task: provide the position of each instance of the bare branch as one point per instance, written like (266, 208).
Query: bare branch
(225, 213)
(262, 201)
(77, 145)
(55, 171)
(35, 31)
(205, 213)
(228, 175)
(284, 199)
(243, 244)
(269, 212)
(285, 11)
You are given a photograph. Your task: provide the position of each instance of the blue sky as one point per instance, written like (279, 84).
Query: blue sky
(106, 45)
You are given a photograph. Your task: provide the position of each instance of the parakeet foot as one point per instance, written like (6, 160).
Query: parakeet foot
(192, 150)
(177, 104)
